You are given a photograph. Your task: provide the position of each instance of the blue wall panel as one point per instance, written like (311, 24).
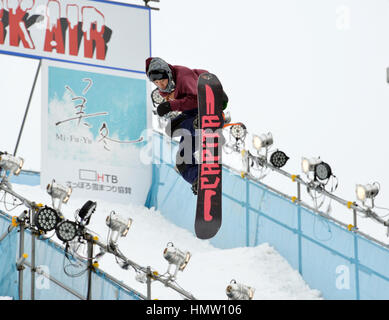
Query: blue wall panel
(331, 259)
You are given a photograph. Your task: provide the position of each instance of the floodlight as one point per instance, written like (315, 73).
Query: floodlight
(263, 141)
(141, 277)
(308, 165)
(8, 162)
(238, 291)
(323, 171)
(118, 225)
(57, 191)
(86, 212)
(156, 97)
(237, 137)
(66, 230)
(278, 159)
(238, 131)
(368, 191)
(175, 256)
(46, 219)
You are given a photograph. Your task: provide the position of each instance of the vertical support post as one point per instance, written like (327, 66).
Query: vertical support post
(247, 212)
(148, 283)
(21, 252)
(28, 107)
(161, 159)
(357, 293)
(90, 267)
(355, 218)
(33, 267)
(300, 262)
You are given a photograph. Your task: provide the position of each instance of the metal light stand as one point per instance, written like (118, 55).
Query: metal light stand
(149, 275)
(127, 261)
(28, 107)
(33, 266)
(20, 266)
(90, 242)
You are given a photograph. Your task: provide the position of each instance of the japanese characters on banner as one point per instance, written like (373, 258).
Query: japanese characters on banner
(84, 31)
(94, 130)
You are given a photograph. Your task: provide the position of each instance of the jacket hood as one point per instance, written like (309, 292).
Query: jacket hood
(155, 63)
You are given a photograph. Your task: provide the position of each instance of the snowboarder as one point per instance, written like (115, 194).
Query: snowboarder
(178, 86)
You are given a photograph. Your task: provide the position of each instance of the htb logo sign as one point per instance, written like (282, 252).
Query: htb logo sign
(91, 175)
(64, 27)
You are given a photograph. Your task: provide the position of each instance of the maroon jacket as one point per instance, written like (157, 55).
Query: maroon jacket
(185, 93)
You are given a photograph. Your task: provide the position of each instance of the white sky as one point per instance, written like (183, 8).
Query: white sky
(311, 72)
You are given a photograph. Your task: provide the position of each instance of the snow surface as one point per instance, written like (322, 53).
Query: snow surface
(210, 269)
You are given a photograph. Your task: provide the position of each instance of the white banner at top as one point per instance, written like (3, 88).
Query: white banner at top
(99, 33)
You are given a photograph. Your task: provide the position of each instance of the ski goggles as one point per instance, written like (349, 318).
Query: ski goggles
(158, 75)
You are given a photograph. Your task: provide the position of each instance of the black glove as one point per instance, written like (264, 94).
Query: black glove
(164, 108)
(224, 100)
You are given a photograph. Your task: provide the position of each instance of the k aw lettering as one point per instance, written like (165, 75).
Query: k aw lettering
(66, 27)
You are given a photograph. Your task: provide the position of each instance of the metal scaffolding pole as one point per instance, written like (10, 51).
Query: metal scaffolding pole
(28, 107)
(33, 267)
(21, 253)
(57, 282)
(90, 267)
(166, 282)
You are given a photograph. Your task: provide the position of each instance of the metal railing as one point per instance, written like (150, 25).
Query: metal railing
(25, 223)
(368, 212)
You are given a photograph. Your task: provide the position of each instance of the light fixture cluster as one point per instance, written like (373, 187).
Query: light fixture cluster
(262, 158)
(47, 219)
(263, 142)
(320, 169)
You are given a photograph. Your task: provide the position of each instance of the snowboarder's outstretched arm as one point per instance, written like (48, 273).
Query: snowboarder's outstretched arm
(188, 102)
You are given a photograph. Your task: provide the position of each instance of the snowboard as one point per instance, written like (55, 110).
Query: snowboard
(209, 194)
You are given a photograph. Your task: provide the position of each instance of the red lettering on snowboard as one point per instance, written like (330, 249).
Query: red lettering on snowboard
(210, 100)
(208, 204)
(210, 121)
(205, 184)
(210, 158)
(210, 169)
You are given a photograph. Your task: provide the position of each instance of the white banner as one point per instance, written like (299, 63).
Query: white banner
(94, 130)
(98, 33)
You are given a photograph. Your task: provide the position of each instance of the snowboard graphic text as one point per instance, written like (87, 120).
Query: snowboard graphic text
(209, 196)
(210, 169)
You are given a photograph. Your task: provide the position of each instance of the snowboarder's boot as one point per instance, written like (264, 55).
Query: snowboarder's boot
(196, 122)
(195, 187)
